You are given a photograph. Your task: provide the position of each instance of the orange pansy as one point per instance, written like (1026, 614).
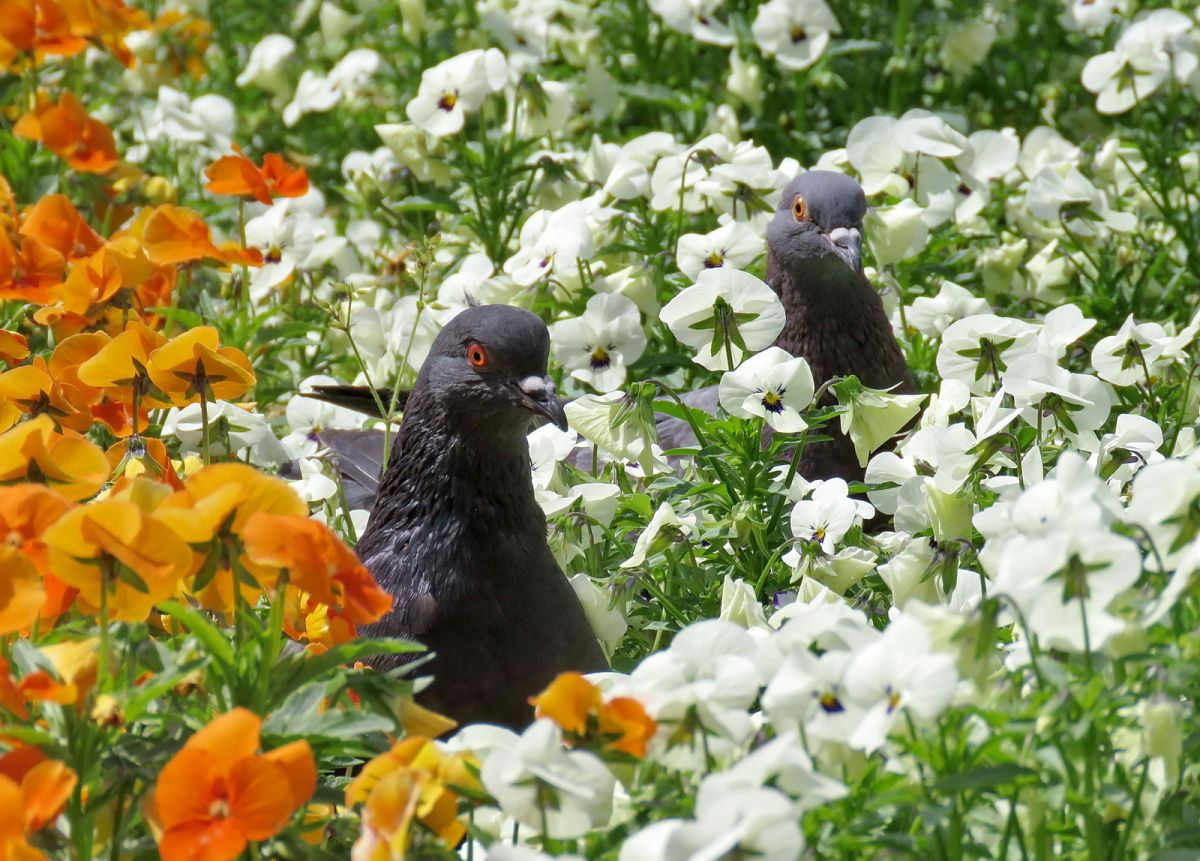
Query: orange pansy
(217, 793)
(67, 131)
(13, 347)
(119, 265)
(31, 796)
(415, 780)
(238, 176)
(114, 547)
(29, 272)
(34, 391)
(34, 451)
(18, 29)
(193, 365)
(173, 234)
(576, 705)
(56, 223)
(26, 512)
(318, 563)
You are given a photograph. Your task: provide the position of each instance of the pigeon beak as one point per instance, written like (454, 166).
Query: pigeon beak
(847, 244)
(538, 395)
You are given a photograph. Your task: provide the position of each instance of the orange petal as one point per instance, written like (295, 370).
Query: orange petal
(259, 797)
(296, 760)
(568, 701)
(203, 840)
(187, 787)
(45, 789)
(21, 591)
(230, 737)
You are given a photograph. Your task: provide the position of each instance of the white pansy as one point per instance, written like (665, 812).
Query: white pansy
(695, 18)
(551, 242)
(772, 385)
(734, 244)
(540, 783)
(455, 86)
(930, 315)
(897, 232)
(317, 93)
(664, 517)
(828, 514)
(1149, 52)
(598, 346)
(285, 239)
(794, 32)
(606, 619)
(307, 417)
(247, 433)
(724, 315)
(265, 66)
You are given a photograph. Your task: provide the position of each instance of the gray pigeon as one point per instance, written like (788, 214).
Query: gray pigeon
(456, 535)
(835, 319)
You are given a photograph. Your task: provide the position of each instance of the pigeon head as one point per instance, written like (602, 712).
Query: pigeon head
(486, 371)
(819, 219)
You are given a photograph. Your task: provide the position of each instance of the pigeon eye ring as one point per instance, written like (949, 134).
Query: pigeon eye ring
(477, 356)
(799, 208)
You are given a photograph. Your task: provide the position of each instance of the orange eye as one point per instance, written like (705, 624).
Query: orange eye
(799, 208)
(477, 356)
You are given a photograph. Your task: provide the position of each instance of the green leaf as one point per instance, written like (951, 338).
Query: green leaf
(207, 633)
(984, 777)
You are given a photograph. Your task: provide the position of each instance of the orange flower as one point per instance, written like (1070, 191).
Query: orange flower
(63, 24)
(30, 272)
(318, 563)
(67, 131)
(120, 363)
(189, 37)
(18, 30)
(116, 550)
(56, 223)
(237, 176)
(26, 512)
(76, 665)
(214, 506)
(66, 461)
(119, 265)
(32, 792)
(194, 366)
(173, 234)
(13, 347)
(576, 705)
(415, 780)
(217, 793)
(34, 391)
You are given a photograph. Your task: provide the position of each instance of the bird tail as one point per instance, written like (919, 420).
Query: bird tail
(358, 456)
(361, 399)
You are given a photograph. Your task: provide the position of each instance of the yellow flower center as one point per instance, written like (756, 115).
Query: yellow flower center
(819, 534)
(714, 260)
(219, 809)
(773, 401)
(14, 539)
(599, 359)
(830, 703)
(448, 101)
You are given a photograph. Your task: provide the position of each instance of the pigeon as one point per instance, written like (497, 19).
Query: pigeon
(834, 317)
(457, 537)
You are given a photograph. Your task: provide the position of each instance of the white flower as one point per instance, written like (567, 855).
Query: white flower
(317, 93)
(977, 349)
(900, 672)
(897, 232)
(808, 693)
(724, 315)
(1090, 16)
(740, 604)
(872, 416)
(709, 668)
(593, 415)
(931, 315)
(731, 821)
(606, 620)
(246, 432)
(455, 86)
(475, 283)
(1150, 50)
(828, 515)
(772, 385)
(307, 417)
(734, 244)
(537, 777)
(209, 122)
(598, 346)
(966, 45)
(313, 485)
(694, 18)
(285, 239)
(264, 67)
(794, 32)
(551, 241)
(665, 516)
(1131, 354)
